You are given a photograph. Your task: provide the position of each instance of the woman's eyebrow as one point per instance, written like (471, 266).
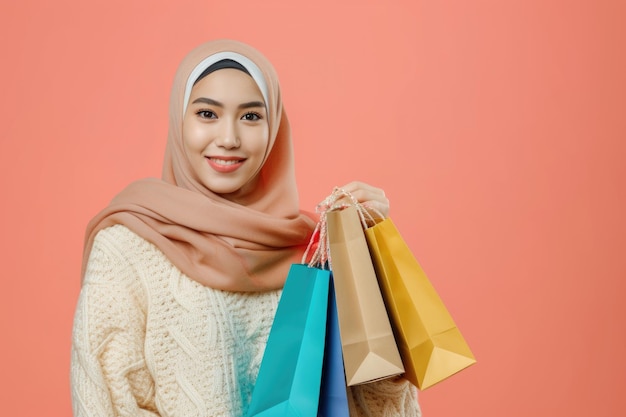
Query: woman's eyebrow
(207, 100)
(251, 104)
(212, 102)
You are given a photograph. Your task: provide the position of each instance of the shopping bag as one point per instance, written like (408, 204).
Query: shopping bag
(288, 383)
(431, 345)
(333, 394)
(369, 348)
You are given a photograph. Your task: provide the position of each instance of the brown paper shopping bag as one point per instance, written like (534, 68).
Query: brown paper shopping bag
(369, 348)
(431, 345)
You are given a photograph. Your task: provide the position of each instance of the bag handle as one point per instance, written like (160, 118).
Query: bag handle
(321, 256)
(335, 201)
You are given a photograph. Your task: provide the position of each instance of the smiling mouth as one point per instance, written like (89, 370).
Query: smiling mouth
(225, 162)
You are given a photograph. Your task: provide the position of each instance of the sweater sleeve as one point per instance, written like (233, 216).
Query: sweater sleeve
(393, 397)
(108, 370)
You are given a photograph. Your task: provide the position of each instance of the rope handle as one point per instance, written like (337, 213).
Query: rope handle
(321, 256)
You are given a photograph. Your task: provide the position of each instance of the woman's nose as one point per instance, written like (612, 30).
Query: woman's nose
(228, 136)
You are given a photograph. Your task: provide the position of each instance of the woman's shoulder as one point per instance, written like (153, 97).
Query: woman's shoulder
(119, 236)
(119, 245)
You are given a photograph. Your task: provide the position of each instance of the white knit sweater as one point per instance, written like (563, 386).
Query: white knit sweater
(149, 341)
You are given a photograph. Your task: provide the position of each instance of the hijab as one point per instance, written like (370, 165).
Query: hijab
(216, 242)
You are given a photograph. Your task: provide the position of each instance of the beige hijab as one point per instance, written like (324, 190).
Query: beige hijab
(216, 242)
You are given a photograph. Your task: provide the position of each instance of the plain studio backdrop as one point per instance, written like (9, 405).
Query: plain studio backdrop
(496, 127)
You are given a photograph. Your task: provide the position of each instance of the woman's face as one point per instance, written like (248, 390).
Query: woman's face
(226, 132)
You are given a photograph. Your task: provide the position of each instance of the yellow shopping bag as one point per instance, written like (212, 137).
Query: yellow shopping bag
(431, 346)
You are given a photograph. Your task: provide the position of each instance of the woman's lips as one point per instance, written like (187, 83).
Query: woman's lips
(225, 164)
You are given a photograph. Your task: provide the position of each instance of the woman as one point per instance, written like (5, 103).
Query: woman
(182, 276)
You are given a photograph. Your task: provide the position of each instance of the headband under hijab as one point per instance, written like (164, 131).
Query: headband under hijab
(223, 64)
(214, 241)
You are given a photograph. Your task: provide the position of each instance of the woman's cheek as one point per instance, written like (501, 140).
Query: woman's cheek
(194, 137)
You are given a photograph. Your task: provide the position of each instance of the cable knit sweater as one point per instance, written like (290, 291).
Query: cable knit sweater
(149, 341)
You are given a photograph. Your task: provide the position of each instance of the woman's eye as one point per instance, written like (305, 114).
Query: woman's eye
(251, 117)
(206, 114)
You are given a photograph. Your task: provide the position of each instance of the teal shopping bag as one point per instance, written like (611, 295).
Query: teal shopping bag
(289, 378)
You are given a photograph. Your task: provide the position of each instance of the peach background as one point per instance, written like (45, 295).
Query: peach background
(496, 127)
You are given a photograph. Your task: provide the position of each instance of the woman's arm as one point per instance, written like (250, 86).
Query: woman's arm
(108, 372)
(393, 397)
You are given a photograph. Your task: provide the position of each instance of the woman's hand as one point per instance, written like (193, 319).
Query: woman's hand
(369, 196)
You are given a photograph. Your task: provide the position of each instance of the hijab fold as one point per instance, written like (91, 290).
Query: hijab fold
(219, 243)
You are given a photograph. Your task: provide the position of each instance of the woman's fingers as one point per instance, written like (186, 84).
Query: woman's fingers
(369, 196)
